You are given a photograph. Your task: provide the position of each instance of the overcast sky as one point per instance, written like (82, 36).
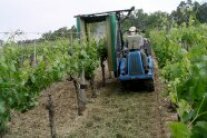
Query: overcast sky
(45, 15)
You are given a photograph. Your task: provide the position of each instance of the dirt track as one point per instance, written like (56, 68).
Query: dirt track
(114, 114)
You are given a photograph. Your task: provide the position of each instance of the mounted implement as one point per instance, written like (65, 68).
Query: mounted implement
(128, 64)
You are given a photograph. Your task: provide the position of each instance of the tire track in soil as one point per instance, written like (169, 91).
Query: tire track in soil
(117, 114)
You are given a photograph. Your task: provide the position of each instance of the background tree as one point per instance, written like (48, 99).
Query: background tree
(63, 32)
(202, 13)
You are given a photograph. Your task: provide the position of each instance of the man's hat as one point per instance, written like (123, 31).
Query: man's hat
(132, 29)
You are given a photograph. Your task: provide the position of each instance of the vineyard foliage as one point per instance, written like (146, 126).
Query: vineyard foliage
(27, 69)
(182, 57)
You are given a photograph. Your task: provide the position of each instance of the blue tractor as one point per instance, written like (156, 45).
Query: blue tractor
(131, 68)
(127, 65)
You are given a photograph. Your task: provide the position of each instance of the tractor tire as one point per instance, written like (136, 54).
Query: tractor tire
(116, 74)
(150, 86)
(124, 86)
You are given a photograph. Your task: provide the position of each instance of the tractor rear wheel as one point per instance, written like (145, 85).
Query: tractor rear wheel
(150, 85)
(124, 85)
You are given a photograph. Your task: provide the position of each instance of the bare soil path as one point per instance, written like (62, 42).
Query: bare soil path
(117, 114)
(114, 114)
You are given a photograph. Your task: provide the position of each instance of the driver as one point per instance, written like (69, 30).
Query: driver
(134, 42)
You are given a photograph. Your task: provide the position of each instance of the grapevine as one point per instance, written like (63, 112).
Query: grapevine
(182, 56)
(22, 81)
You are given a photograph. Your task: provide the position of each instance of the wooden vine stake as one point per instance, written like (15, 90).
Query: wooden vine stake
(92, 84)
(77, 87)
(103, 72)
(82, 94)
(51, 111)
(80, 87)
(32, 60)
